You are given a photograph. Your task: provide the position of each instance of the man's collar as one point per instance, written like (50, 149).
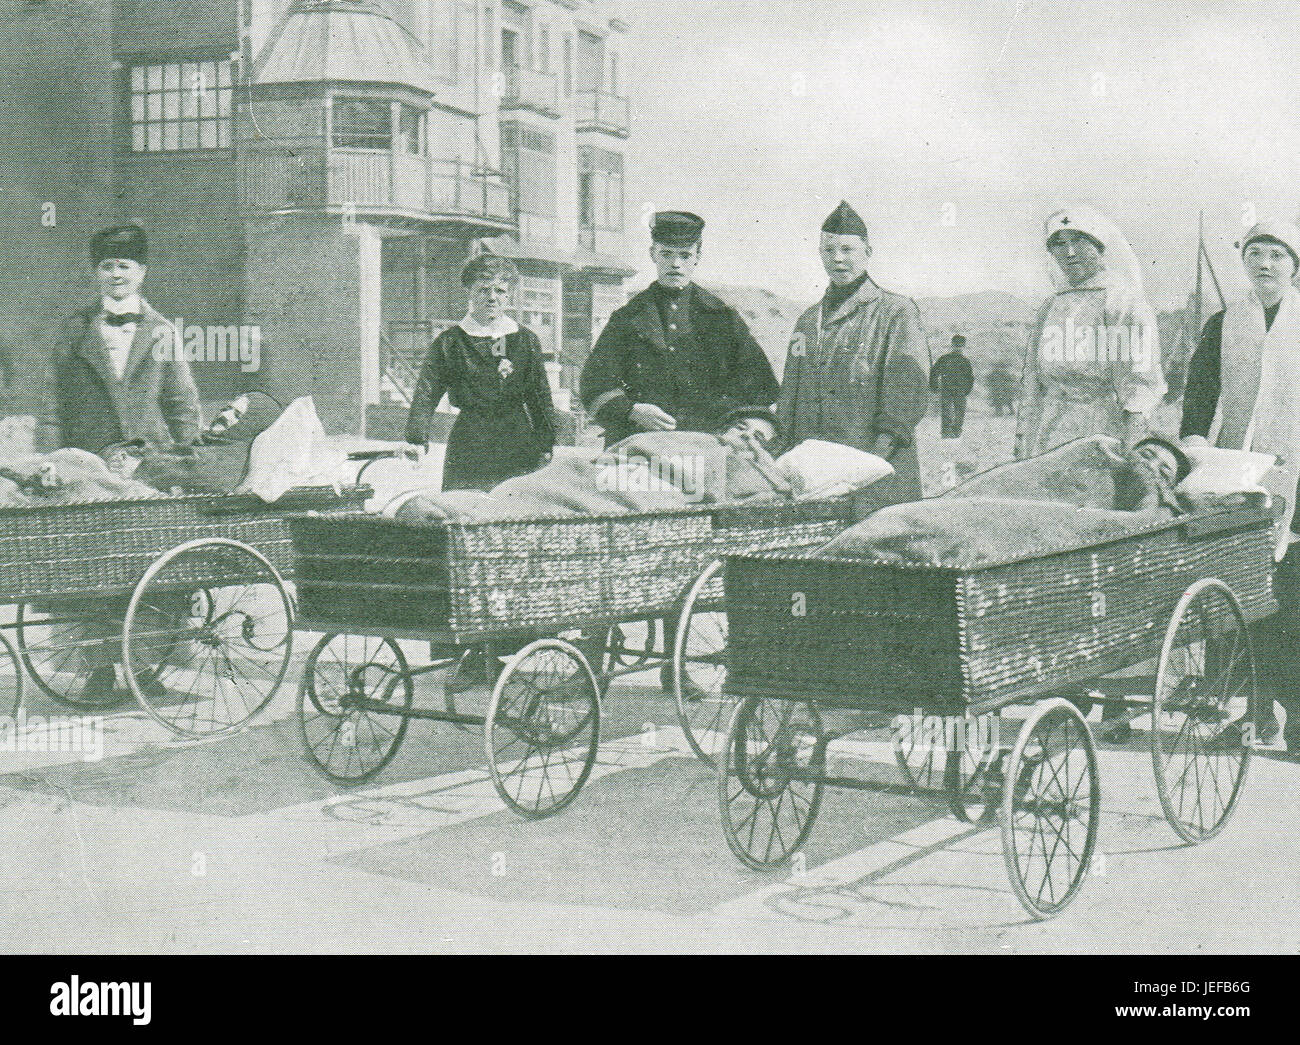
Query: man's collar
(133, 303)
(868, 291)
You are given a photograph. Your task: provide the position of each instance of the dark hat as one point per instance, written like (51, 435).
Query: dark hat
(677, 228)
(121, 241)
(742, 413)
(958, 341)
(845, 221)
(1184, 462)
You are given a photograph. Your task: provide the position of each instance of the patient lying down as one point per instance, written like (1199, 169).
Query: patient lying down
(1086, 491)
(649, 472)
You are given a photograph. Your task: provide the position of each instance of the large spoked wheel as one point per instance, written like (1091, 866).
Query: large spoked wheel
(699, 670)
(1051, 802)
(11, 678)
(1201, 715)
(350, 743)
(61, 649)
(543, 728)
(771, 779)
(207, 637)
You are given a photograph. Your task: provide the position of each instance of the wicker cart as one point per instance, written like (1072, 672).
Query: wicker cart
(184, 597)
(532, 614)
(817, 646)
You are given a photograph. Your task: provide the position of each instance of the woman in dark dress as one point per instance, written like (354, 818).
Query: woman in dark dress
(493, 373)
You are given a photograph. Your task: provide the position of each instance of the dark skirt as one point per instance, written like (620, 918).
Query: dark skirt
(485, 449)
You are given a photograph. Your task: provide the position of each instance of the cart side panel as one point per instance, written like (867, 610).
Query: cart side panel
(102, 548)
(367, 572)
(1065, 619)
(848, 634)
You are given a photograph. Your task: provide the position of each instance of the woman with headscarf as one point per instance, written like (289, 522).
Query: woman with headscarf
(1243, 393)
(1093, 362)
(493, 372)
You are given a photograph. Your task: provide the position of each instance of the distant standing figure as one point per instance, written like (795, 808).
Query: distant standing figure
(1001, 384)
(493, 372)
(857, 370)
(953, 379)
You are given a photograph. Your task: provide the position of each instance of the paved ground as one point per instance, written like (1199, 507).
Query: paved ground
(238, 845)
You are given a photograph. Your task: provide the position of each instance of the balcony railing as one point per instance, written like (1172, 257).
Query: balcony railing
(601, 111)
(524, 88)
(370, 183)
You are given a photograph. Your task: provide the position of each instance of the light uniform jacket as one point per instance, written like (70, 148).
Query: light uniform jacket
(859, 372)
(1094, 354)
(86, 406)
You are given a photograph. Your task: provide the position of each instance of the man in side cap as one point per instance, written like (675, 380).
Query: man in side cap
(118, 373)
(857, 371)
(675, 357)
(1243, 393)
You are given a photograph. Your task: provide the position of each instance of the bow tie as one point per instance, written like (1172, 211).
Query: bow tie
(121, 319)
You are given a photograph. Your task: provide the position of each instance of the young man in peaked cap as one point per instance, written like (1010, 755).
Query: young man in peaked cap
(675, 356)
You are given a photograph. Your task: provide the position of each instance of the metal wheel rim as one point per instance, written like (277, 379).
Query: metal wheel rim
(688, 709)
(497, 728)
(39, 675)
(130, 660)
(308, 697)
(1174, 810)
(730, 777)
(1015, 789)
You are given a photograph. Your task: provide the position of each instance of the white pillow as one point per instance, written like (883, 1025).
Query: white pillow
(1220, 473)
(832, 469)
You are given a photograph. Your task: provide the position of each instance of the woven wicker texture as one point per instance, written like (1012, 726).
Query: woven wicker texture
(511, 575)
(104, 547)
(888, 638)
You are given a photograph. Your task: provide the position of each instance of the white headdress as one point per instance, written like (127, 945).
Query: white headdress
(1118, 260)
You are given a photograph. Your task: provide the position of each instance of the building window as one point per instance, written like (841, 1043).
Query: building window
(600, 189)
(466, 43)
(181, 105)
(568, 66)
(613, 74)
(539, 311)
(410, 131)
(441, 39)
(544, 51)
(528, 156)
(362, 123)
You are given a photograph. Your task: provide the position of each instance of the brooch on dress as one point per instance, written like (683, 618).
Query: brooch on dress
(505, 369)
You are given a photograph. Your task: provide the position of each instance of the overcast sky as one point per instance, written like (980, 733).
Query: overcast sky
(955, 126)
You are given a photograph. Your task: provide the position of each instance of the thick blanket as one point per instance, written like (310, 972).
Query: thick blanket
(1085, 491)
(973, 532)
(648, 473)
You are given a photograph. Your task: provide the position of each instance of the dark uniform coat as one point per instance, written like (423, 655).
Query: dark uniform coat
(506, 424)
(952, 375)
(857, 372)
(700, 371)
(86, 406)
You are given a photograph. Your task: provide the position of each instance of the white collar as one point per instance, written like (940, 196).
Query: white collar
(503, 327)
(132, 304)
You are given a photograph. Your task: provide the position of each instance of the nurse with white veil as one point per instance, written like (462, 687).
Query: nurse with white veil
(1093, 361)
